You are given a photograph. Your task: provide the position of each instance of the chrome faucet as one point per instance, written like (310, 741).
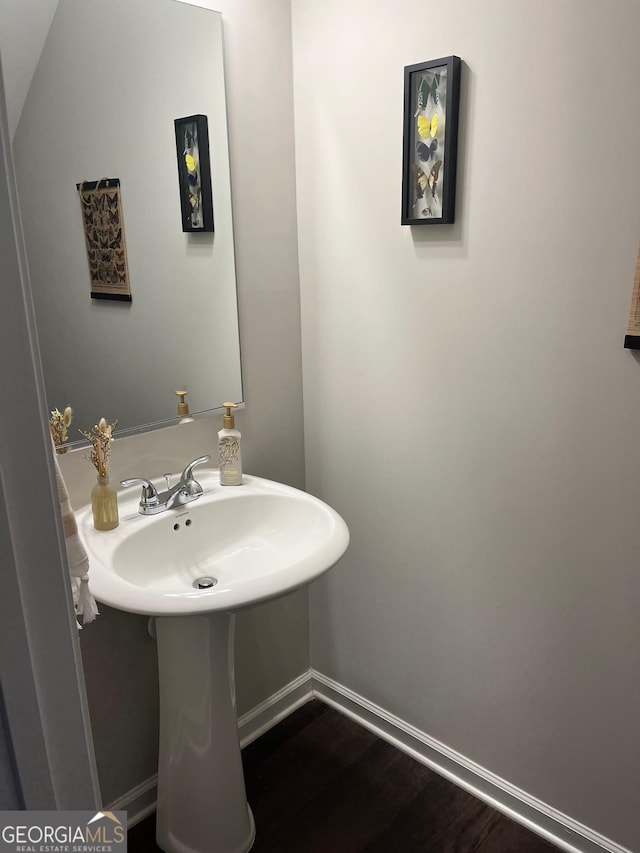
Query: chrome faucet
(187, 489)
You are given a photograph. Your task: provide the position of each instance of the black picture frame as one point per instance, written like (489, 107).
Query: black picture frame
(194, 173)
(430, 141)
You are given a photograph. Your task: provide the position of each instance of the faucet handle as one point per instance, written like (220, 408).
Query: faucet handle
(149, 495)
(187, 474)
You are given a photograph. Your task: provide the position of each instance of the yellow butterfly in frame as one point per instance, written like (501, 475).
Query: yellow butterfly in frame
(427, 127)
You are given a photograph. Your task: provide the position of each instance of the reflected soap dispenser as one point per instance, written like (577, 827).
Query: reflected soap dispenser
(183, 407)
(229, 457)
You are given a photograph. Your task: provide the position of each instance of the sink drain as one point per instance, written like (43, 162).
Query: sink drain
(204, 583)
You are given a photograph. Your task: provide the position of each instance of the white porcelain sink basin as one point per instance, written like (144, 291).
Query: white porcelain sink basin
(257, 541)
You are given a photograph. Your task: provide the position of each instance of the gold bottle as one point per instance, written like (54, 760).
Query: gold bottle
(104, 503)
(104, 498)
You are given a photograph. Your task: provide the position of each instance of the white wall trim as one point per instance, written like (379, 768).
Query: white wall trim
(540, 818)
(139, 802)
(556, 827)
(264, 716)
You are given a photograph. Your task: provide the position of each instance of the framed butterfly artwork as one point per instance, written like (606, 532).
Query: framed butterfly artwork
(430, 141)
(632, 338)
(194, 173)
(103, 224)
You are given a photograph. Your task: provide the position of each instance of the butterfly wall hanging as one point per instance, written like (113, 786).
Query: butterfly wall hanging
(632, 338)
(194, 173)
(430, 141)
(103, 224)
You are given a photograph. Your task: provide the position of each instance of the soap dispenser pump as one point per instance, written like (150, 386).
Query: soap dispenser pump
(183, 407)
(229, 457)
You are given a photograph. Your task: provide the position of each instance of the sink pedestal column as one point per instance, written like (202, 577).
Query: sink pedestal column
(202, 804)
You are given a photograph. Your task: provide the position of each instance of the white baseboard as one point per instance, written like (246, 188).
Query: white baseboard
(558, 828)
(139, 802)
(264, 716)
(545, 821)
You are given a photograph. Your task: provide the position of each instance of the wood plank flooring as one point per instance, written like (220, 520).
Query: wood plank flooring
(320, 783)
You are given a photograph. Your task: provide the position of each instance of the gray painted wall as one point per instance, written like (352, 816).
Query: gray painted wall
(24, 25)
(469, 407)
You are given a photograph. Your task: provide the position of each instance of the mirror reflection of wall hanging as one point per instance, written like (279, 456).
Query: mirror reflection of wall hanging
(194, 173)
(430, 143)
(632, 338)
(104, 237)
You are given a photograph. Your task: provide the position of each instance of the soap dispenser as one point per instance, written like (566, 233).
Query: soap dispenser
(183, 407)
(229, 458)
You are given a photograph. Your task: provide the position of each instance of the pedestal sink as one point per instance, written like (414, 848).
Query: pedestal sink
(192, 568)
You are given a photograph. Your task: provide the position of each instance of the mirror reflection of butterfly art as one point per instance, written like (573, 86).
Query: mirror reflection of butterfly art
(194, 173)
(632, 338)
(104, 239)
(431, 101)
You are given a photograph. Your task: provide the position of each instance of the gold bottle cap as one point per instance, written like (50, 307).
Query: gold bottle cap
(228, 421)
(183, 407)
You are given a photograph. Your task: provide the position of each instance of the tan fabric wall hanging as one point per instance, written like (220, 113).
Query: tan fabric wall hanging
(104, 237)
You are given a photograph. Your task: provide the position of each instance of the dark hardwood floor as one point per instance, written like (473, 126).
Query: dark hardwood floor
(320, 783)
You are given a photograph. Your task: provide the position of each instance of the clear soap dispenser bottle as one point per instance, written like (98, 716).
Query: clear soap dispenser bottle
(229, 457)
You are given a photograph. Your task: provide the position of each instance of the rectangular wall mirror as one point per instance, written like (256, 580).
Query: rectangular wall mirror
(112, 78)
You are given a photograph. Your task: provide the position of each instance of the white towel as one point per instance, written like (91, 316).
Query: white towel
(84, 602)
